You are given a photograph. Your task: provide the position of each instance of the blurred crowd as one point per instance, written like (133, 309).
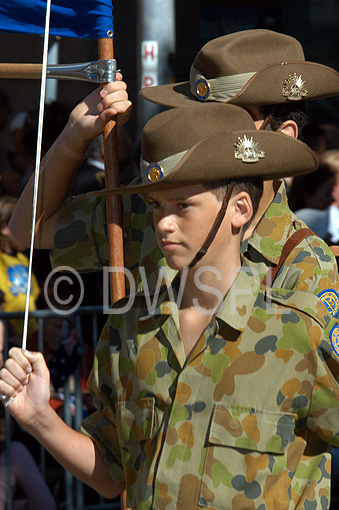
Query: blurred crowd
(315, 198)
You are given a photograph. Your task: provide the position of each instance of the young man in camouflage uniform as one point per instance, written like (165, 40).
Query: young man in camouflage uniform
(249, 68)
(220, 393)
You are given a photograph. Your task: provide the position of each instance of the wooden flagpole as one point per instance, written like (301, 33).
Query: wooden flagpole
(113, 204)
(20, 71)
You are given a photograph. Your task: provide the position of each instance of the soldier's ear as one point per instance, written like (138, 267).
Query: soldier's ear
(289, 128)
(242, 210)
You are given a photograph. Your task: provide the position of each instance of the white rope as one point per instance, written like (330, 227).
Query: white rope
(37, 168)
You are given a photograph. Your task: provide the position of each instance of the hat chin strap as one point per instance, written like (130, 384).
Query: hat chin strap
(215, 227)
(266, 122)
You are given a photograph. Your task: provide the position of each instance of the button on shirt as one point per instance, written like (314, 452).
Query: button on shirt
(246, 421)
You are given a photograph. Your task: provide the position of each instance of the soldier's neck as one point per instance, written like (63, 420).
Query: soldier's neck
(269, 190)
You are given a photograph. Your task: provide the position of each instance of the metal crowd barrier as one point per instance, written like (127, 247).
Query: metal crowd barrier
(73, 497)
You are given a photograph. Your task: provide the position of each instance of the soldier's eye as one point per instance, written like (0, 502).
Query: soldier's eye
(183, 205)
(155, 205)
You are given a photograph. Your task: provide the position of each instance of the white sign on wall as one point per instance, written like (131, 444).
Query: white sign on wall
(149, 63)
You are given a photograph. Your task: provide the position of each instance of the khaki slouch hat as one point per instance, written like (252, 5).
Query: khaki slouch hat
(194, 145)
(249, 68)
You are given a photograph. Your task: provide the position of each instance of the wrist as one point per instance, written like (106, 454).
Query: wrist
(72, 143)
(42, 422)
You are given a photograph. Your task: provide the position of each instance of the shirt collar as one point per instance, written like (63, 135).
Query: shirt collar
(273, 229)
(165, 301)
(235, 309)
(239, 301)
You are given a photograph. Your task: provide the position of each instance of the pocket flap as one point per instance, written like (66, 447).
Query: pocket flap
(252, 429)
(135, 419)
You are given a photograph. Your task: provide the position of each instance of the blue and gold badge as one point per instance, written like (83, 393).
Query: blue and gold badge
(202, 89)
(330, 299)
(154, 172)
(334, 337)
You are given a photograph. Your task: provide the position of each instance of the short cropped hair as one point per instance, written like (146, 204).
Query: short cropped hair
(280, 113)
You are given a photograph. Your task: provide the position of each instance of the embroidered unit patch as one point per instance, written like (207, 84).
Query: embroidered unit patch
(334, 336)
(330, 299)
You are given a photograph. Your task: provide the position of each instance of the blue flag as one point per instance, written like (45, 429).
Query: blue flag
(90, 19)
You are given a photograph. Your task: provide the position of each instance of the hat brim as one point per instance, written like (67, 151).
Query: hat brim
(265, 86)
(284, 157)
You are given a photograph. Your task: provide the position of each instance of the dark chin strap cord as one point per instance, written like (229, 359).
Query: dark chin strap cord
(266, 122)
(215, 227)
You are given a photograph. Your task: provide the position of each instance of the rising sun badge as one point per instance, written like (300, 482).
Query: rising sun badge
(294, 88)
(248, 150)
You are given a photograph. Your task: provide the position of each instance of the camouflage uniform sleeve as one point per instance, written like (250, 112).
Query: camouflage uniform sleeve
(101, 425)
(323, 417)
(322, 362)
(80, 238)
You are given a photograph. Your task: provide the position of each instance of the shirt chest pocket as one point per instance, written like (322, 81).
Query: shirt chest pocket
(246, 461)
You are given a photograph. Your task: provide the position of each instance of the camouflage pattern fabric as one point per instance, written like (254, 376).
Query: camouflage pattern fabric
(81, 242)
(80, 239)
(246, 422)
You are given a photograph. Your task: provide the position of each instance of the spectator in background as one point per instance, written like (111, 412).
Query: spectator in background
(62, 345)
(314, 137)
(20, 157)
(55, 117)
(331, 158)
(312, 192)
(318, 202)
(8, 176)
(29, 489)
(14, 275)
(91, 173)
(331, 133)
(52, 330)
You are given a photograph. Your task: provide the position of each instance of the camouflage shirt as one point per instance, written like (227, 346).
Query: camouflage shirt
(246, 422)
(81, 242)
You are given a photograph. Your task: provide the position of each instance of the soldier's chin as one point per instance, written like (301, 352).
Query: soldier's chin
(174, 264)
